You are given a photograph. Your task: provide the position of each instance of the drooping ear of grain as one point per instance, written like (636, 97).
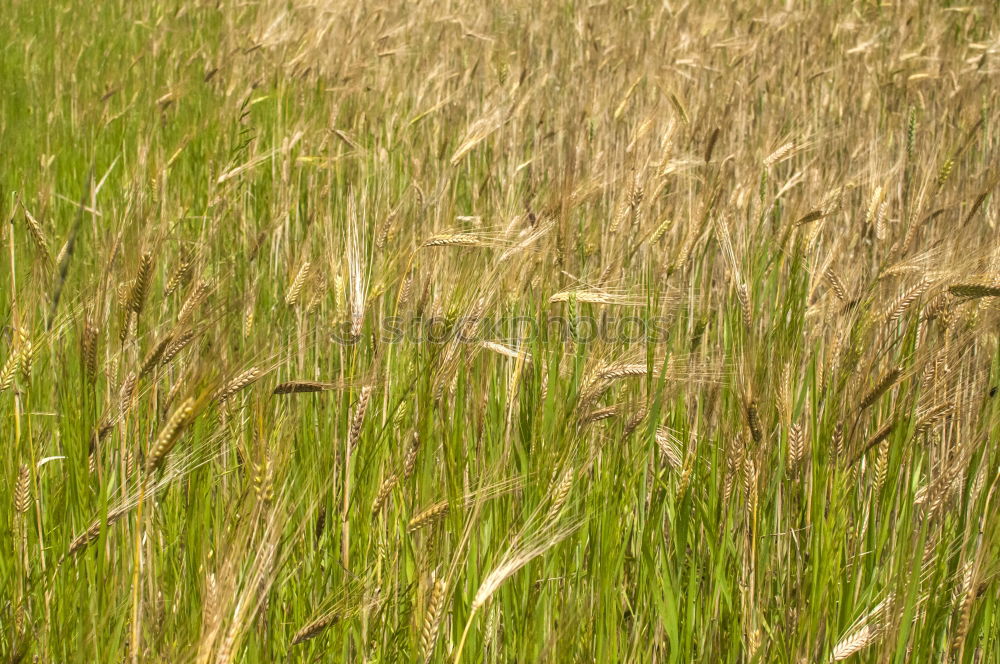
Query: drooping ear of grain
(301, 386)
(975, 289)
(314, 627)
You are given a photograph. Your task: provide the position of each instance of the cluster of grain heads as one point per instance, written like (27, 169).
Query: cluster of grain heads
(826, 300)
(525, 547)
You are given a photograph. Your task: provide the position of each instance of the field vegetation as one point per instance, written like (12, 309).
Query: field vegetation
(571, 331)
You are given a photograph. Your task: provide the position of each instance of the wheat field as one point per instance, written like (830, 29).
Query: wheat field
(412, 331)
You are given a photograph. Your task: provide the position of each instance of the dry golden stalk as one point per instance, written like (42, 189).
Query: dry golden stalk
(884, 383)
(428, 517)
(238, 383)
(140, 287)
(167, 438)
(300, 386)
(315, 627)
(292, 297)
(975, 290)
(432, 620)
